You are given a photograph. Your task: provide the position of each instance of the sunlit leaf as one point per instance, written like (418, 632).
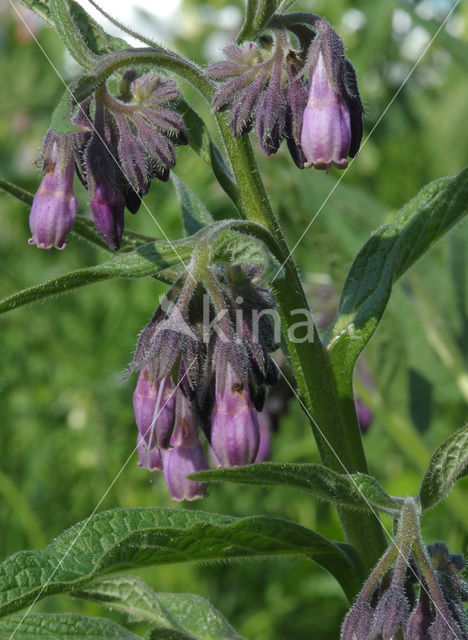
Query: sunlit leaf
(389, 253)
(98, 41)
(70, 34)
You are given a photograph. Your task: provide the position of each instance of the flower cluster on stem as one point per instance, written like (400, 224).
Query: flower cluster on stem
(308, 96)
(205, 363)
(121, 144)
(389, 606)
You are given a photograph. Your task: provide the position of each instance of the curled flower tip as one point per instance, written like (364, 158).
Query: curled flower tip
(154, 404)
(235, 435)
(53, 211)
(178, 463)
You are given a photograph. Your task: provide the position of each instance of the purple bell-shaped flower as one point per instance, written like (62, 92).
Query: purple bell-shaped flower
(185, 456)
(54, 206)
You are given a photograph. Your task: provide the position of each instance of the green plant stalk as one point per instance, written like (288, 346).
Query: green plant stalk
(333, 419)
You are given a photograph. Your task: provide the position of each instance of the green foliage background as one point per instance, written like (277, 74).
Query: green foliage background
(66, 418)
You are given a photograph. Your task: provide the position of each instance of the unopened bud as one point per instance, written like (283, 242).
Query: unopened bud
(108, 206)
(54, 206)
(153, 403)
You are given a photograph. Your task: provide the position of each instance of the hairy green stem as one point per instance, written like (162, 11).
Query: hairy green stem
(86, 84)
(333, 418)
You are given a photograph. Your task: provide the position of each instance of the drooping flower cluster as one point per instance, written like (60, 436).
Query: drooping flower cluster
(121, 145)
(389, 604)
(309, 96)
(204, 362)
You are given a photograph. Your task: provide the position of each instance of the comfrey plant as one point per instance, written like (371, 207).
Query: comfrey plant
(233, 340)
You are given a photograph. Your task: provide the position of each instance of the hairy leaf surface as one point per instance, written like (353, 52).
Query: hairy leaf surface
(128, 538)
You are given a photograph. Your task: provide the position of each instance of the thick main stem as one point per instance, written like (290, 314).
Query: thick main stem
(333, 419)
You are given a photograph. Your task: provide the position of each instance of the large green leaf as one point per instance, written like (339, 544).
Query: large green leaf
(357, 491)
(148, 260)
(448, 463)
(94, 36)
(184, 612)
(125, 538)
(61, 626)
(389, 253)
(70, 34)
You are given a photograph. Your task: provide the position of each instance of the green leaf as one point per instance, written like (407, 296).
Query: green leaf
(195, 216)
(60, 121)
(241, 248)
(186, 613)
(147, 260)
(257, 15)
(62, 626)
(17, 192)
(357, 491)
(70, 34)
(83, 228)
(125, 538)
(94, 36)
(448, 464)
(389, 253)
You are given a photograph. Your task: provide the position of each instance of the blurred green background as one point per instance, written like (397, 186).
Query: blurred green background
(66, 418)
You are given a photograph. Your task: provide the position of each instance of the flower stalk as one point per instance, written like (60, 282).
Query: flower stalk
(333, 418)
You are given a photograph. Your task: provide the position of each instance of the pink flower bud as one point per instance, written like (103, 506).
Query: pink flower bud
(108, 206)
(326, 124)
(54, 206)
(178, 463)
(234, 425)
(153, 403)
